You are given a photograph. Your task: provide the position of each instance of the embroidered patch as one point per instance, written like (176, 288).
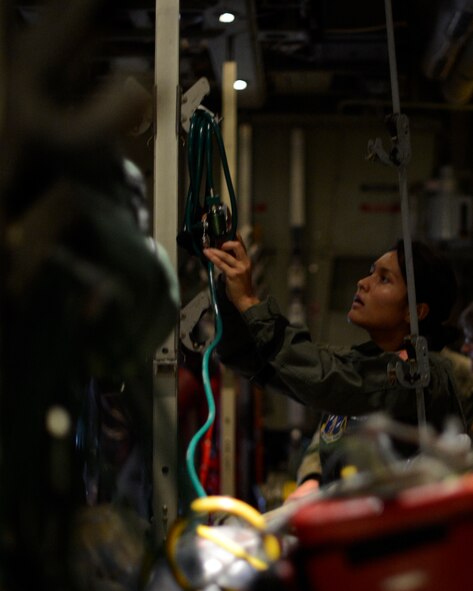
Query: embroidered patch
(333, 428)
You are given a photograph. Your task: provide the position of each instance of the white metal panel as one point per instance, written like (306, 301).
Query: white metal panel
(229, 136)
(165, 492)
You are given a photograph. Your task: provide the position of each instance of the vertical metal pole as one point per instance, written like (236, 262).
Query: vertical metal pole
(392, 57)
(402, 173)
(297, 179)
(245, 141)
(296, 273)
(406, 229)
(229, 136)
(229, 122)
(165, 491)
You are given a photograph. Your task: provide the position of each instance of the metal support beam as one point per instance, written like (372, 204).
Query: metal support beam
(245, 180)
(229, 136)
(165, 490)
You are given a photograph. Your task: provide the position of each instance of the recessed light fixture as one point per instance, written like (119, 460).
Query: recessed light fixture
(226, 17)
(240, 84)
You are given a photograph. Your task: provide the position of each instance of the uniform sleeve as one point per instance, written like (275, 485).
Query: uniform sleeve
(335, 380)
(238, 350)
(464, 380)
(311, 467)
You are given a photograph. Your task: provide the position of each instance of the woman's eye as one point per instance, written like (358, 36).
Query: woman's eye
(384, 279)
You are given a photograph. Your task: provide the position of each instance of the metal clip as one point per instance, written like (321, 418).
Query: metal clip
(415, 371)
(400, 153)
(191, 315)
(191, 100)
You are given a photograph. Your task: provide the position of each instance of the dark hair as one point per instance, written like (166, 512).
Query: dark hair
(436, 285)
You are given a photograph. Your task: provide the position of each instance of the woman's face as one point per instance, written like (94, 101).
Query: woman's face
(380, 304)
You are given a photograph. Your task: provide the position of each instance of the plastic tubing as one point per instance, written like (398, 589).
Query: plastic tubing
(202, 129)
(190, 455)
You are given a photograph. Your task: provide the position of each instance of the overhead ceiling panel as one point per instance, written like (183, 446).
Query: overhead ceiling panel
(298, 48)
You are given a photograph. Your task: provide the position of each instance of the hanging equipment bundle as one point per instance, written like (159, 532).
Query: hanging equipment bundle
(208, 222)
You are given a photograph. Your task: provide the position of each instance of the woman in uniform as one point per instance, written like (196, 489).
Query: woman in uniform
(344, 384)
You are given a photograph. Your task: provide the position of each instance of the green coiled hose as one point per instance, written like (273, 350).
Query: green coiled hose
(198, 233)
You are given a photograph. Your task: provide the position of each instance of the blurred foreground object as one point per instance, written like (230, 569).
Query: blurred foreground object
(226, 556)
(417, 540)
(84, 291)
(108, 548)
(388, 524)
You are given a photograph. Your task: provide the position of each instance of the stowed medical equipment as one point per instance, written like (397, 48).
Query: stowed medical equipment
(383, 523)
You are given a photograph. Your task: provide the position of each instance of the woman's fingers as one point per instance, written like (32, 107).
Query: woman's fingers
(308, 487)
(236, 247)
(240, 240)
(231, 255)
(223, 260)
(233, 261)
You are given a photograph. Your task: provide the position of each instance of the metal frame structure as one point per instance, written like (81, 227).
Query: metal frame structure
(168, 121)
(165, 223)
(228, 395)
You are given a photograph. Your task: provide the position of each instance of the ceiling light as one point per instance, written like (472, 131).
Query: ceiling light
(240, 84)
(226, 17)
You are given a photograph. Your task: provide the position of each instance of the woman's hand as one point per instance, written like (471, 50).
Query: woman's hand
(306, 488)
(233, 260)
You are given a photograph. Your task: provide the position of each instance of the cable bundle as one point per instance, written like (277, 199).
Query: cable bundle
(207, 223)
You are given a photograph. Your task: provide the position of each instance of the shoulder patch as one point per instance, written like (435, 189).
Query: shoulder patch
(333, 427)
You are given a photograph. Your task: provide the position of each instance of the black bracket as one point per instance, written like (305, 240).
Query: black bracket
(415, 371)
(400, 153)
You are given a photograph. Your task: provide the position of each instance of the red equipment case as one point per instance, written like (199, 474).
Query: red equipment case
(421, 540)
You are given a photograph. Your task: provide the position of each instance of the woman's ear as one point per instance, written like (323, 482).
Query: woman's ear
(422, 310)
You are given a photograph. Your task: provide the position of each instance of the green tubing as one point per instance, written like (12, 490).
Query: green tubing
(203, 130)
(190, 456)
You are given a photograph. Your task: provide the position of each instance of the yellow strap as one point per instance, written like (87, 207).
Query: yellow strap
(230, 546)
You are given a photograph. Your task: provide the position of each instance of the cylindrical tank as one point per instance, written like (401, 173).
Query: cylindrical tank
(449, 213)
